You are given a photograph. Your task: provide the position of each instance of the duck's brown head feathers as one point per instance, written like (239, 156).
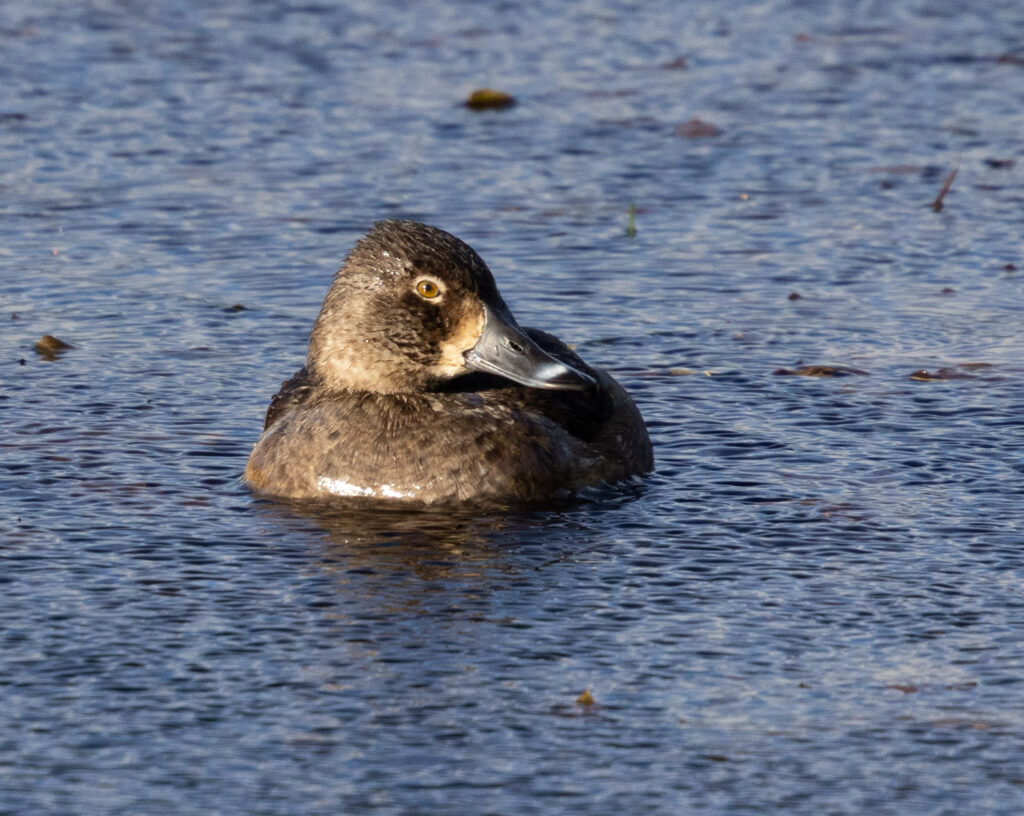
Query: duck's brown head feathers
(413, 307)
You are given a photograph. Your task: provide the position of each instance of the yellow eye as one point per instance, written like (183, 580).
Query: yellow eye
(428, 289)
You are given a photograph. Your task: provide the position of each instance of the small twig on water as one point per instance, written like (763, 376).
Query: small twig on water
(937, 203)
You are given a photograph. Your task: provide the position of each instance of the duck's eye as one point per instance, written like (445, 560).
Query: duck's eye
(428, 289)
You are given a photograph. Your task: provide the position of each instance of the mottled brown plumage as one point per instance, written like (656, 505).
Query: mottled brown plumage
(406, 394)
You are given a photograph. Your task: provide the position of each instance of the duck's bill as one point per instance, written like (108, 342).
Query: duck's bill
(506, 350)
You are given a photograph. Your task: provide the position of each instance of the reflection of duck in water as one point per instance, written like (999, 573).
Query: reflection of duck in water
(420, 386)
(429, 542)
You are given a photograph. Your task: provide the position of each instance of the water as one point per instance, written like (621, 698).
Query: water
(814, 605)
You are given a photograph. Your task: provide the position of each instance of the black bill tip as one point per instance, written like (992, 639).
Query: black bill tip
(506, 350)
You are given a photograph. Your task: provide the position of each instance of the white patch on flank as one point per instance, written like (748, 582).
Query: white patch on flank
(339, 487)
(392, 493)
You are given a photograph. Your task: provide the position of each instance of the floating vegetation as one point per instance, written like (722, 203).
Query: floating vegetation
(631, 224)
(678, 64)
(696, 129)
(48, 347)
(820, 371)
(489, 99)
(963, 371)
(937, 203)
(914, 688)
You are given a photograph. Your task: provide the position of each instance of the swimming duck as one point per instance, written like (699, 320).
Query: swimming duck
(420, 386)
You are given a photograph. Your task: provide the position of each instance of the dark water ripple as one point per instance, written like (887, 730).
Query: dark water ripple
(813, 606)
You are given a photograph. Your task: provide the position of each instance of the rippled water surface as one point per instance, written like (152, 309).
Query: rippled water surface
(816, 603)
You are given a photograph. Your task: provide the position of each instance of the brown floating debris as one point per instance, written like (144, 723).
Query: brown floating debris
(794, 296)
(586, 698)
(819, 371)
(489, 99)
(964, 723)
(49, 346)
(963, 371)
(696, 129)
(913, 688)
(678, 64)
(937, 203)
(839, 510)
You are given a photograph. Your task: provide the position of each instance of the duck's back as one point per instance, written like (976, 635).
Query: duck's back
(482, 439)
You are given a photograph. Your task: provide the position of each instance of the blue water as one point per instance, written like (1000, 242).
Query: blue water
(814, 606)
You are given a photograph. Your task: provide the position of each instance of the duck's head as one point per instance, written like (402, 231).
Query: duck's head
(414, 307)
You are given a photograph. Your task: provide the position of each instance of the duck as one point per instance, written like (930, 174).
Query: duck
(420, 387)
